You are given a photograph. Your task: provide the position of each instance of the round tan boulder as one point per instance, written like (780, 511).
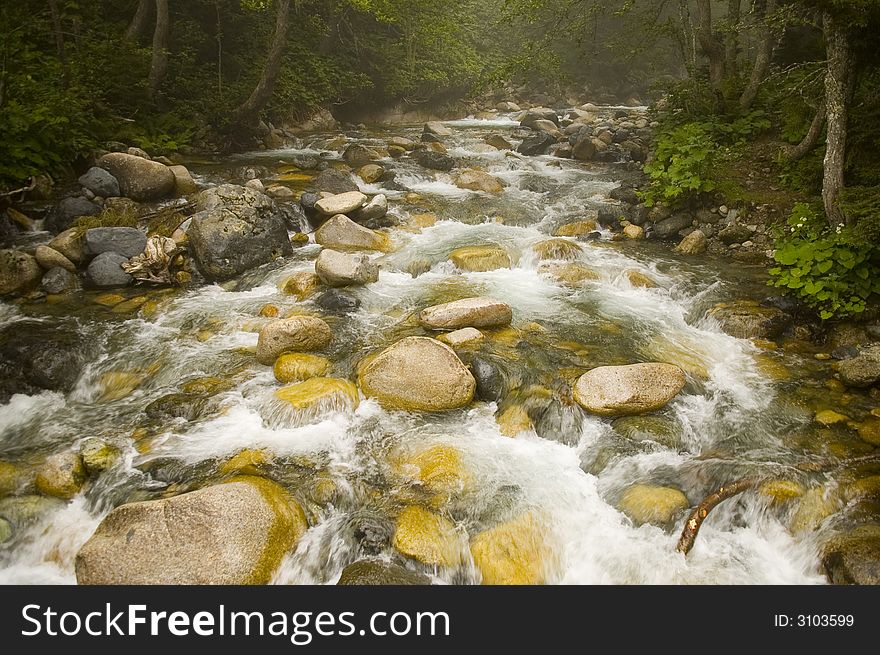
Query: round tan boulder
(342, 233)
(340, 269)
(341, 203)
(626, 390)
(139, 179)
(469, 312)
(297, 334)
(234, 533)
(417, 374)
(50, 258)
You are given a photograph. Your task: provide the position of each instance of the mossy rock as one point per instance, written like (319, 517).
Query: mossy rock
(477, 259)
(512, 553)
(379, 572)
(645, 503)
(325, 393)
(61, 475)
(427, 537)
(296, 367)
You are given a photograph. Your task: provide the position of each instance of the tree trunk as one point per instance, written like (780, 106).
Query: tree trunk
(762, 58)
(138, 25)
(793, 153)
(59, 41)
(159, 62)
(248, 113)
(710, 44)
(731, 45)
(838, 85)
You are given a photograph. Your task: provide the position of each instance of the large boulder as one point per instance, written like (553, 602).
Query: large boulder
(139, 179)
(234, 533)
(19, 271)
(340, 269)
(296, 334)
(747, 319)
(341, 203)
(236, 229)
(434, 160)
(100, 182)
(470, 312)
(37, 356)
(342, 233)
(126, 241)
(474, 180)
(631, 389)
(68, 210)
(105, 271)
(417, 374)
(863, 370)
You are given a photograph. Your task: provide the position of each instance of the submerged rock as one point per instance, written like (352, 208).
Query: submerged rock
(478, 259)
(645, 503)
(631, 389)
(470, 312)
(296, 334)
(854, 556)
(512, 553)
(233, 533)
(747, 319)
(379, 572)
(427, 537)
(557, 249)
(296, 367)
(417, 374)
(325, 393)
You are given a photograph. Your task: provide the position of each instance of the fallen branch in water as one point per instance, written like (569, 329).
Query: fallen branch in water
(695, 520)
(25, 189)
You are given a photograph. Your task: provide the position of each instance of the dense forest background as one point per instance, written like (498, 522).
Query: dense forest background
(789, 89)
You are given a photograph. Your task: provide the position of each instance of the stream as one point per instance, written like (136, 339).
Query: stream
(747, 408)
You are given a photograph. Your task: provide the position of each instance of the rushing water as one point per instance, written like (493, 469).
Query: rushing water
(744, 410)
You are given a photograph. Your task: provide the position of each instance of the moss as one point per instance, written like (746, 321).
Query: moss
(112, 217)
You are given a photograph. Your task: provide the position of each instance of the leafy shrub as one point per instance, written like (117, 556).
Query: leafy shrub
(833, 270)
(682, 164)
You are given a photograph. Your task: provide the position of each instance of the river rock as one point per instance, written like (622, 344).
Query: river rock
(512, 553)
(499, 142)
(854, 556)
(58, 280)
(70, 244)
(863, 370)
(320, 393)
(645, 503)
(296, 367)
(341, 203)
(489, 378)
(302, 284)
(36, 356)
(50, 258)
(669, 228)
(139, 179)
(371, 173)
(417, 374)
(126, 241)
(357, 155)
(631, 389)
(68, 210)
(19, 271)
(61, 476)
(105, 271)
(98, 455)
(296, 334)
(100, 182)
(634, 232)
(747, 319)
(381, 573)
(463, 338)
(480, 258)
(583, 148)
(338, 302)
(572, 274)
(694, 243)
(427, 537)
(436, 128)
(234, 533)
(576, 229)
(374, 210)
(735, 233)
(478, 181)
(469, 312)
(335, 181)
(236, 229)
(557, 249)
(537, 144)
(339, 269)
(437, 161)
(535, 114)
(342, 233)
(184, 184)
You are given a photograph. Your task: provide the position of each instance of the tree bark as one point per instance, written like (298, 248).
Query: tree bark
(59, 41)
(762, 58)
(248, 113)
(838, 86)
(159, 63)
(793, 153)
(138, 25)
(731, 44)
(710, 44)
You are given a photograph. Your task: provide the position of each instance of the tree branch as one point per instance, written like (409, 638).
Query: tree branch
(695, 520)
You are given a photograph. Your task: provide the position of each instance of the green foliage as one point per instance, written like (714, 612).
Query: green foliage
(124, 216)
(834, 270)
